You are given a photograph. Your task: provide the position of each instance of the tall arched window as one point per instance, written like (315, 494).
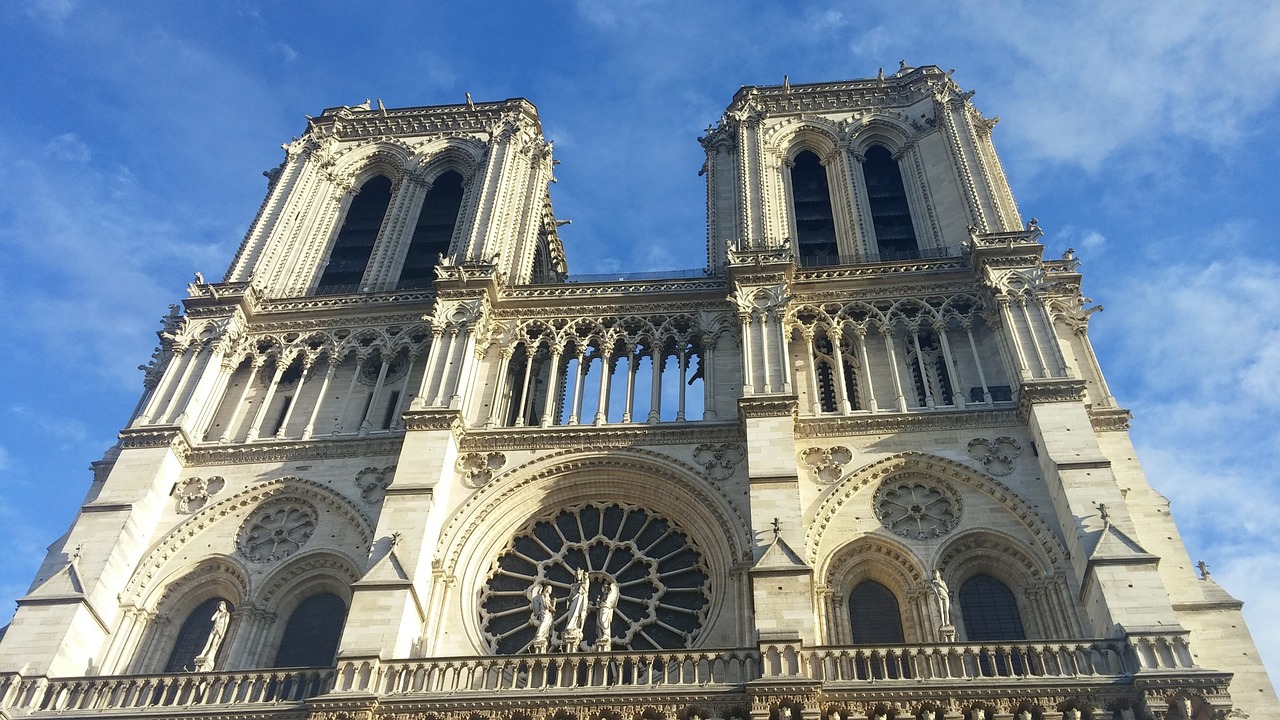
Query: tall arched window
(989, 610)
(434, 230)
(815, 223)
(311, 637)
(890, 214)
(193, 636)
(359, 231)
(874, 615)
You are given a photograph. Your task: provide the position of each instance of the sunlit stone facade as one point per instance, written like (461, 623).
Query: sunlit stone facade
(400, 463)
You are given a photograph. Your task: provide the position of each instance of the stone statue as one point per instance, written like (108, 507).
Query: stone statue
(577, 615)
(928, 714)
(939, 588)
(221, 618)
(978, 712)
(1024, 714)
(542, 615)
(604, 616)
(1073, 713)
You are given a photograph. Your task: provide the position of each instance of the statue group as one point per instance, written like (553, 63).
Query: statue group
(543, 613)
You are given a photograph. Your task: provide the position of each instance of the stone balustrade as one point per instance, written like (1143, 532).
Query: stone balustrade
(726, 670)
(138, 692)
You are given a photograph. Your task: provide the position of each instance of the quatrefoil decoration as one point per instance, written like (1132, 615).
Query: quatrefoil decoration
(479, 468)
(194, 492)
(995, 455)
(826, 464)
(373, 482)
(718, 460)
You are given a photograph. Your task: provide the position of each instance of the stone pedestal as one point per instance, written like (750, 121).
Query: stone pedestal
(947, 633)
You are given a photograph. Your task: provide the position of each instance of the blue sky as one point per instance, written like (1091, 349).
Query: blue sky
(133, 135)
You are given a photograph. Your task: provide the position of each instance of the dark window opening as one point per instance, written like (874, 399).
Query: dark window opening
(433, 232)
(311, 637)
(874, 615)
(351, 251)
(193, 635)
(284, 413)
(890, 214)
(815, 222)
(393, 404)
(989, 610)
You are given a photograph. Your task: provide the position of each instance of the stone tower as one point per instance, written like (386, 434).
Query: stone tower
(400, 463)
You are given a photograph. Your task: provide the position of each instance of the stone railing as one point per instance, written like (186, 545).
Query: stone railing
(725, 671)
(963, 662)
(137, 692)
(491, 674)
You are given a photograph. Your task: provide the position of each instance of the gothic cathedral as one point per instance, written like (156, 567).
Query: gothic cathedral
(399, 463)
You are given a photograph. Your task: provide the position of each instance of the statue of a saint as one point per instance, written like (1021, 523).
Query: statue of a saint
(604, 616)
(577, 615)
(221, 618)
(939, 588)
(542, 614)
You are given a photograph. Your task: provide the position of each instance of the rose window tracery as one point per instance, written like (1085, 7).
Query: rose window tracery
(276, 530)
(917, 507)
(661, 577)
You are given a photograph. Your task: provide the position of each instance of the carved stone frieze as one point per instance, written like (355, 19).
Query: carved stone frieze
(718, 460)
(887, 423)
(996, 455)
(211, 455)
(600, 437)
(478, 469)
(826, 464)
(432, 419)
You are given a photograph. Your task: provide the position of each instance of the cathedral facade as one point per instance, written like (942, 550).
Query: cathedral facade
(399, 463)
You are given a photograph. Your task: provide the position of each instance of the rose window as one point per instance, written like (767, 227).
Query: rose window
(917, 507)
(276, 530)
(660, 574)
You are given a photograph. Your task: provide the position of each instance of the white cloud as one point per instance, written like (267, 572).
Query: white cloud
(68, 146)
(286, 51)
(1088, 81)
(54, 12)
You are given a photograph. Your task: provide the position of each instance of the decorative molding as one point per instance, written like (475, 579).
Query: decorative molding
(600, 437)
(890, 423)
(315, 449)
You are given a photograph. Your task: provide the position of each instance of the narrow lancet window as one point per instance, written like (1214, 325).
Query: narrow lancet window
(351, 251)
(890, 214)
(815, 223)
(193, 638)
(433, 232)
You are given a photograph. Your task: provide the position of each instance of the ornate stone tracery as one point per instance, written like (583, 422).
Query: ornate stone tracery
(917, 506)
(276, 530)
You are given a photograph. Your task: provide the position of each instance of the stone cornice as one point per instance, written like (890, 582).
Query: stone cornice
(432, 419)
(600, 437)
(350, 123)
(886, 269)
(761, 406)
(157, 436)
(1109, 419)
(887, 423)
(1054, 390)
(317, 449)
